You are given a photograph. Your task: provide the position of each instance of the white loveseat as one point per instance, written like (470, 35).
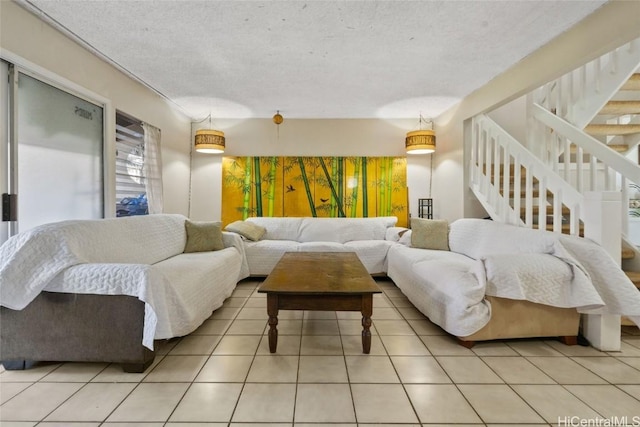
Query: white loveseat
(103, 290)
(364, 236)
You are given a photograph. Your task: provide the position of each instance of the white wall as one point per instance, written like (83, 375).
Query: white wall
(25, 36)
(305, 137)
(612, 25)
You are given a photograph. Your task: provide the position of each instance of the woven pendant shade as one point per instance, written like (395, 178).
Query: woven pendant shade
(420, 142)
(209, 141)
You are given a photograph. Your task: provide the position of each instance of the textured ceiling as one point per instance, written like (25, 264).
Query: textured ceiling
(315, 59)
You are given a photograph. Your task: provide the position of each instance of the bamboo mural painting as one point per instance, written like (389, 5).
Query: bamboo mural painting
(314, 186)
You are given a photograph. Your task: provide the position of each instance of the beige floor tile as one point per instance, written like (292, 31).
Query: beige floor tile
(22, 424)
(320, 327)
(228, 369)
(382, 403)
(353, 327)
(349, 315)
(565, 371)
(445, 345)
(212, 327)
(468, 370)
(234, 302)
(321, 314)
(195, 345)
(207, 403)
(266, 403)
(225, 313)
(115, 374)
(117, 424)
(380, 301)
(257, 294)
(411, 313)
(176, 369)
(499, 404)
(287, 345)
(288, 314)
(260, 425)
(94, 402)
(247, 327)
(66, 424)
(287, 327)
(240, 293)
(75, 372)
(256, 303)
(607, 400)
(163, 347)
(48, 396)
(249, 313)
(386, 313)
(611, 369)
(321, 345)
(404, 345)
(150, 402)
(398, 425)
(425, 327)
(371, 369)
(517, 370)
(29, 375)
(352, 345)
(419, 370)
(493, 348)
(633, 390)
(324, 403)
(626, 350)
(393, 293)
(633, 340)
(170, 424)
(631, 361)
(249, 283)
(393, 327)
(332, 425)
(237, 344)
(533, 348)
(274, 369)
(9, 390)
(553, 401)
(322, 369)
(574, 350)
(440, 403)
(401, 301)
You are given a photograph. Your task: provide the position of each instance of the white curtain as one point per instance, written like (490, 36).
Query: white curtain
(153, 168)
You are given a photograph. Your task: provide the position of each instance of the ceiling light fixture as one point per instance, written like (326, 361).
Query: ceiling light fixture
(422, 141)
(209, 141)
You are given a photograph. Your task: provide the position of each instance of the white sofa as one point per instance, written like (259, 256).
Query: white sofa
(63, 287)
(364, 236)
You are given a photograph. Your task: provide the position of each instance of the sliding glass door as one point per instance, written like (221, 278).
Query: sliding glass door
(51, 153)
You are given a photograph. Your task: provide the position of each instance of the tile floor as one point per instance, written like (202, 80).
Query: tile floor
(224, 375)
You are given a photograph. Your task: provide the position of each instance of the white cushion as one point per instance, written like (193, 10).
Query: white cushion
(278, 228)
(372, 253)
(262, 256)
(342, 230)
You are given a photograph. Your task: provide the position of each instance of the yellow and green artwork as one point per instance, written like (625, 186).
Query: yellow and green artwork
(353, 187)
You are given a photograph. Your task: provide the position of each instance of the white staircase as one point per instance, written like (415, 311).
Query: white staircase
(575, 172)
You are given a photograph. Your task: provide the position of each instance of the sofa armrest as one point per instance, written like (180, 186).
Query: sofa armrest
(231, 239)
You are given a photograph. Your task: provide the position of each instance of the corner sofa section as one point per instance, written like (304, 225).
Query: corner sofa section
(103, 290)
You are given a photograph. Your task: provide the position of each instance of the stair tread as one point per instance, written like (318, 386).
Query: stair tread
(606, 129)
(634, 276)
(633, 83)
(628, 253)
(621, 108)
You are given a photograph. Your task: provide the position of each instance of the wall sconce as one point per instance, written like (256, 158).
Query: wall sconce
(421, 141)
(209, 140)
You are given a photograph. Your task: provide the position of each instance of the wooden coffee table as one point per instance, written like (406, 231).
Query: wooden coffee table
(320, 281)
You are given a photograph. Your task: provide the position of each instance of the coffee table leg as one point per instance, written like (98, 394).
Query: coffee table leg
(272, 311)
(367, 311)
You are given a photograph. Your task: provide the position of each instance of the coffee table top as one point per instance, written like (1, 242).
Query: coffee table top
(319, 273)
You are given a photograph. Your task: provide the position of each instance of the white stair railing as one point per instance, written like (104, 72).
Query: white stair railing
(495, 157)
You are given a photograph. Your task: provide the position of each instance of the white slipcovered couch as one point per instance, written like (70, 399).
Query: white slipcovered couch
(364, 236)
(64, 288)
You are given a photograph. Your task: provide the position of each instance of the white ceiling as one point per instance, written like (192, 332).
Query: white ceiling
(315, 59)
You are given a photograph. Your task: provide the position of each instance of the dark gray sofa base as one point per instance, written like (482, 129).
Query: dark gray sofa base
(62, 327)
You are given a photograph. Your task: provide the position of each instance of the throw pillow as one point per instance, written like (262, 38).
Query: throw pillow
(203, 236)
(247, 229)
(430, 234)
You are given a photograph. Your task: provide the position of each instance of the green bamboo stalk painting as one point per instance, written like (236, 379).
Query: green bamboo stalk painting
(314, 186)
